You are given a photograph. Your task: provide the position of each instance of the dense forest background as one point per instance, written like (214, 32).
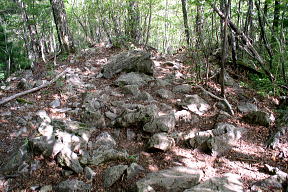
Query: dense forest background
(248, 34)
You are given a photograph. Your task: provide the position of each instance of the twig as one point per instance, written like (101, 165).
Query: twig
(218, 98)
(7, 99)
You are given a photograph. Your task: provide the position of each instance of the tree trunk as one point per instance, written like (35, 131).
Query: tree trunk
(275, 26)
(185, 18)
(248, 22)
(224, 47)
(64, 36)
(149, 23)
(199, 24)
(133, 21)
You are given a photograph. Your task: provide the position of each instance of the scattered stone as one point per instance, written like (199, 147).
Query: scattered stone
(56, 103)
(217, 140)
(100, 156)
(162, 83)
(186, 117)
(160, 141)
(131, 89)
(131, 61)
(165, 94)
(164, 123)
(104, 139)
(43, 116)
(16, 162)
(46, 188)
(46, 129)
(195, 104)
(259, 118)
(72, 185)
(110, 115)
(25, 84)
(271, 183)
(48, 146)
(68, 158)
(137, 116)
(132, 79)
(133, 170)
(89, 173)
(228, 183)
(112, 174)
(185, 88)
(144, 96)
(130, 134)
(228, 80)
(40, 82)
(172, 179)
(245, 107)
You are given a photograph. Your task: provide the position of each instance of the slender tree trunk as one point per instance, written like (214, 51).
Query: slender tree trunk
(60, 19)
(149, 23)
(185, 19)
(224, 47)
(275, 26)
(248, 22)
(263, 34)
(199, 24)
(133, 20)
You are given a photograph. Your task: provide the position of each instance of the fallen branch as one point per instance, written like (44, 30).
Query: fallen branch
(218, 98)
(7, 99)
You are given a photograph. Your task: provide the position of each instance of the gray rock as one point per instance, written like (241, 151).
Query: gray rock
(40, 82)
(68, 158)
(132, 79)
(46, 129)
(271, 183)
(43, 117)
(16, 162)
(164, 123)
(110, 115)
(133, 170)
(131, 89)
(228, 183)
(185, 88)
(112, 174)
(104, 139)
(186, 116)
(95, 118)
(165, 94)
(259, 118)
(72, 185)
(25, 84)
(46, 188)
(137, 117)
(144, 96)
(100, 156)
(161, 141)
(228, 80)
(131, 61)
(56, 103)
(48, 146)
(172, 179)
(195, 104)
(245, 107)
(130, 134)
(89, 173)
(218, 140)
(162, 83)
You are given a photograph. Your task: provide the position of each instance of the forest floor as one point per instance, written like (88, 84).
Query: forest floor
(247, 159)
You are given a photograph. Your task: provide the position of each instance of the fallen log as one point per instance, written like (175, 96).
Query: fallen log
(7, 99)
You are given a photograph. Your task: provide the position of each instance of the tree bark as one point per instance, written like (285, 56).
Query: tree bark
(64, 36)
(133, 21)
(185, 20)
(248, 47)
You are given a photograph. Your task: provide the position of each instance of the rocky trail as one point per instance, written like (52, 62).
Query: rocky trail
(128, 121)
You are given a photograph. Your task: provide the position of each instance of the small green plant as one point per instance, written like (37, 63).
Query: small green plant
(133, 158)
